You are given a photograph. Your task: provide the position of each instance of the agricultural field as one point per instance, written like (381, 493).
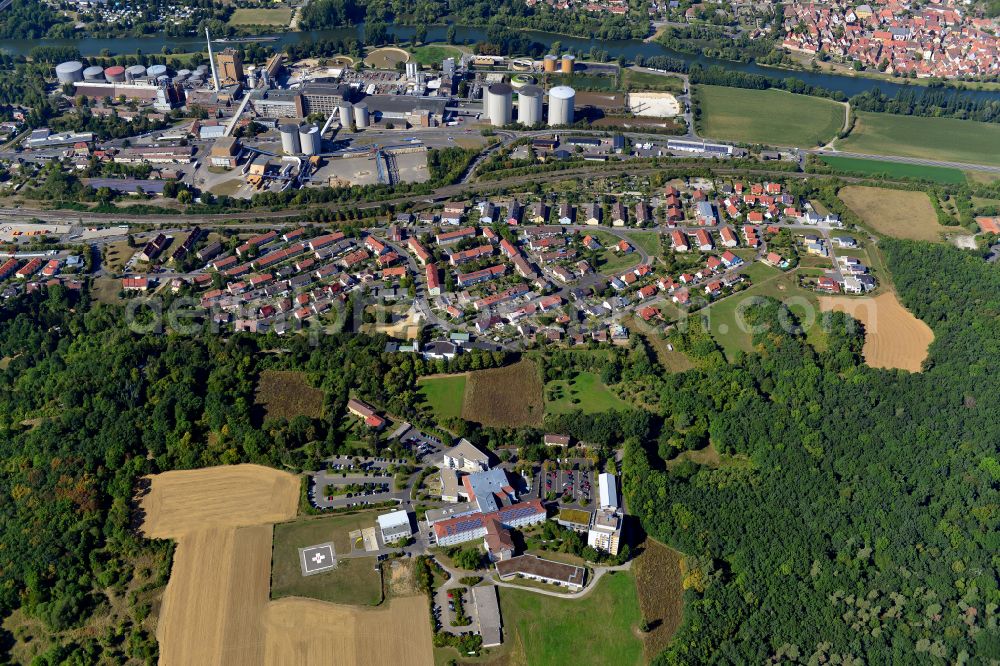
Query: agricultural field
(434, 54)
(444, 394)
(597, 629)
(894, 338)
(947, 139)
(772, 117)
(657, 572)
(286, 394)
(261, 16)
(303, 631)
(505, 397)
(896, 213)
(853, 165)
(585, 392)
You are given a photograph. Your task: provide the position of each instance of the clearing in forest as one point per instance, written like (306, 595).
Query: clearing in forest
(894, 338)
(509, 396)
(286, 394)
(658, 580)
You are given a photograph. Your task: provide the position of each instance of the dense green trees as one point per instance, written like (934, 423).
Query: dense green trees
(854, 511)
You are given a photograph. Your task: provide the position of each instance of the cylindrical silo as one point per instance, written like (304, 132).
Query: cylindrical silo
(156, 71)
(346, 112)
(561, 100)
(184, 74)
(529, 105)
(549, 63)
(362, 119)
(135, 72)
(309, 139)
(95, 73)
(290, 139)
(115, 74)
(69, 72)
(567, 63)
(497, 105)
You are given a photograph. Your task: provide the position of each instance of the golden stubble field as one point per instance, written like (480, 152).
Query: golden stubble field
(894, 338)
(216, 607)
(896, 213)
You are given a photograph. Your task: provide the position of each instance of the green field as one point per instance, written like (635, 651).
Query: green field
(587, 389)
(610, 261)
(277, 16)
(853, 165)
(649, 241)
(444, 395)
(354, 581)
(945, 139)
(725, 322)
(651, 81)
(597, 629)
(772, 117)
(434, 54)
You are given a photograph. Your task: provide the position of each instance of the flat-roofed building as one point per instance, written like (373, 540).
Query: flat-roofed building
(605, 531)
(488, 614)
(466, 457)
(394, 526)
(608, 491)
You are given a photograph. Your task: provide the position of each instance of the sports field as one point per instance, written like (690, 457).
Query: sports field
(772, 117)
(946, 139)
(505, 397)
(896, 213)
(444, 394)
(261, 16)
(434, 54)
(585, 392)
(598, 629)
(894, 338)
(854, 165)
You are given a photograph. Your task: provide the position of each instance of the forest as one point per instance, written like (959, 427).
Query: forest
(853, 516)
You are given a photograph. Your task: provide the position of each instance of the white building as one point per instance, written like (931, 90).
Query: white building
(394, 526)
(605, 531)
(466, 457)
(608, 491)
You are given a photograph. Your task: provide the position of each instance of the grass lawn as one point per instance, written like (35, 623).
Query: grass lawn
(261, 16)
(611, 262)
(647, 240)
(772, 117)
(652, 81)
(853, 165)
(589, 392)
(434, 54)
(445, 395)
(946, 139)
(354, 581)
(726, 317)
(597, 629)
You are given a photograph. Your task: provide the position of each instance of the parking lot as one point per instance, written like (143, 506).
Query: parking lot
(572, 488)
(421, 445)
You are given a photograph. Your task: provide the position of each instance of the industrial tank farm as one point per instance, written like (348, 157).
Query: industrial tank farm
(498, 104)
(561, 100)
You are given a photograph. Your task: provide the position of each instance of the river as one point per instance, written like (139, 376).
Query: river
(628, 47)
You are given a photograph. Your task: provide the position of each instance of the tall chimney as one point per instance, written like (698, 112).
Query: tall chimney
(211, 60)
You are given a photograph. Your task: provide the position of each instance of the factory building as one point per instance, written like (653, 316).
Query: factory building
(230, 64)
(277, 103)
(415, 111)
(498, 104)
(561, 101)
(529, 105)
(325, 98)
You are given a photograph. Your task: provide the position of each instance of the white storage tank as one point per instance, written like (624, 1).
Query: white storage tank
(561, 100)
(94, 73)
(183, 74)
(309, 139)
(135, 72)
(69, 72)
(362, 118)
(529, 105)
(156, 71)
(290, 139)
(498, 104)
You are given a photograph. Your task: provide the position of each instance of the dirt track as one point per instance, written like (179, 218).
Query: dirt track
(894, 338)
(216, 607)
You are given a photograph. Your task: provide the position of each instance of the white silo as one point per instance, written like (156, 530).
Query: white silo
(69, 72)
(135, 73)
(561, 100)
(498, 108)
(529, 105)
(362, 118)
(309, 139)
(156, 71)
(290, 139)
(346, 112)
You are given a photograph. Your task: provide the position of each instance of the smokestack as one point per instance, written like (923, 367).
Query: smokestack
(211, 60)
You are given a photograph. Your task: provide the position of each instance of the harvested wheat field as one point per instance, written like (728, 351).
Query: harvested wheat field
(183, 501)
(305, 631)
(509, 396)
(896, 213)
(894, 338)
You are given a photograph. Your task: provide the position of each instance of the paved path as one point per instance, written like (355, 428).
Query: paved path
(598, 574)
